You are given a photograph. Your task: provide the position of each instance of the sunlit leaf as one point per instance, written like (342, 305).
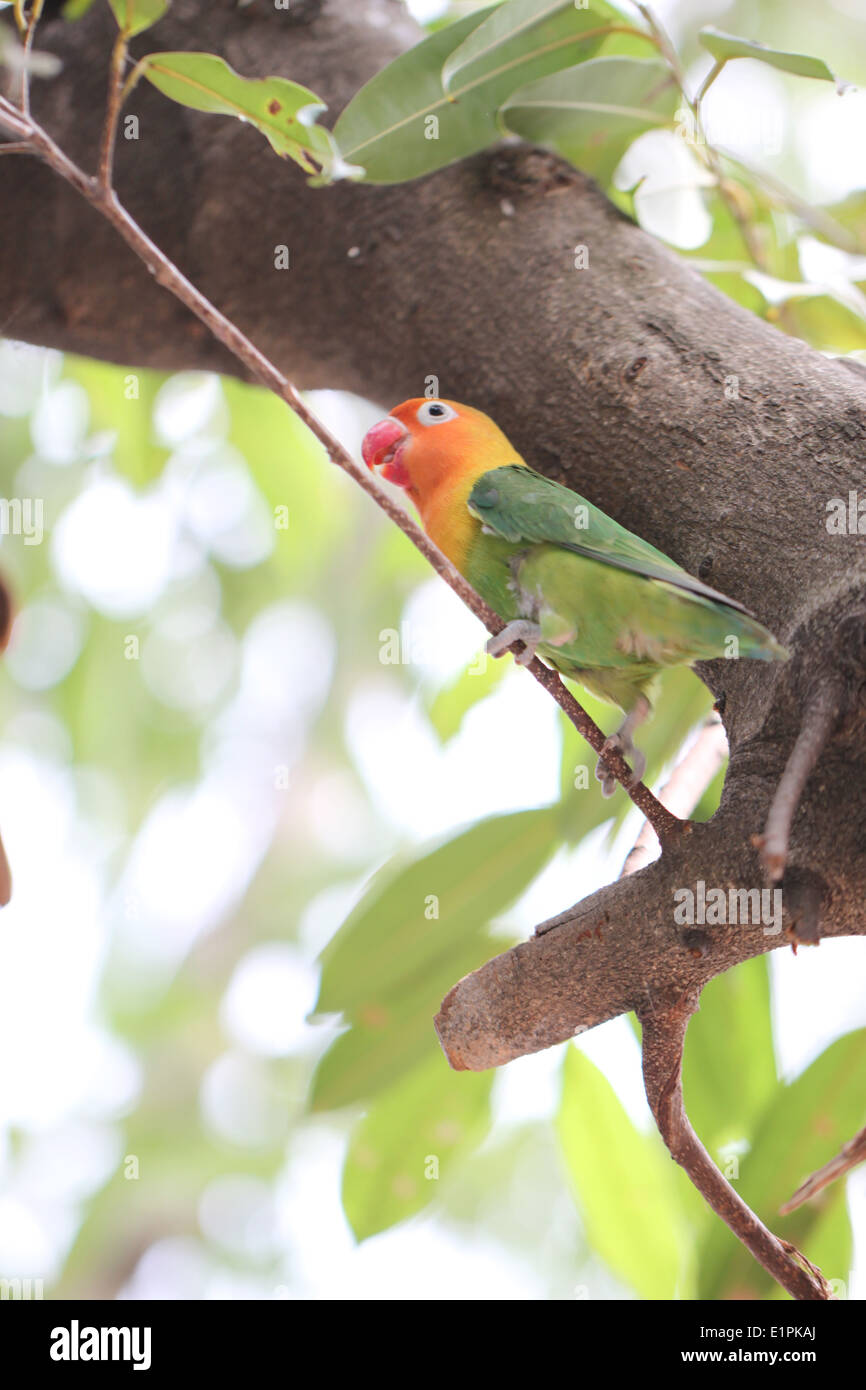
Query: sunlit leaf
(408, 1142)
(803, 1125)
(135, 15)
(823, 320)
(724, 47)
(393, 1031)
(591, 113)
(624, 1184)
(849, 214)
(283, 111)
(402, 124)
(121, 403)
(413, 913)
(729, 1069)
(525, 32)
(453, 702)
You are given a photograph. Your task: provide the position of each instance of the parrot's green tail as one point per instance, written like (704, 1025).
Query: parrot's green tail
(760, 644)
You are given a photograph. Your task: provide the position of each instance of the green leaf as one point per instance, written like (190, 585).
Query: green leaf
(850, 215)
(121, 403)
(283, 111)
(74, 9)
(413, 913)
(409, 1141)
(402, 124)
(724, 47)
(624, 1184)
(524, 32)
(296, 478)
(392, 1032)
(823, 320)
(591, 113)
(133, 16)
(452, 703)
(729, 1069)
(804, 1125)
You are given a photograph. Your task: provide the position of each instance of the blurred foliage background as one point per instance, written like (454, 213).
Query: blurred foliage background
(265, 801)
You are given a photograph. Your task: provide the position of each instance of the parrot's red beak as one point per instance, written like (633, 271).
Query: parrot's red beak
(382, 448)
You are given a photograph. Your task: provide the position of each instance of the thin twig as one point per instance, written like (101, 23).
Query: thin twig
(663, 1038)
(710, 155)
(683, 789)
(112, 110)
(818, 722)
(12, 120)
(15, 147)
(167, 274)
(848, 1157)
(708, 81)
(35, 12)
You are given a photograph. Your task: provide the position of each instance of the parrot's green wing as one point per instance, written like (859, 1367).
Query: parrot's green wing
(519, 504)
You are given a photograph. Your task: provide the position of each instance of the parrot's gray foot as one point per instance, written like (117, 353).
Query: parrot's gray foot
(622, 742)
(520, 630)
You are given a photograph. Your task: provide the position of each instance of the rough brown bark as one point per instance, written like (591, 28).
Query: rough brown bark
(611, 378)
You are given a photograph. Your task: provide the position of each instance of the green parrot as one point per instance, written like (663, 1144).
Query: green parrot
(592, 599)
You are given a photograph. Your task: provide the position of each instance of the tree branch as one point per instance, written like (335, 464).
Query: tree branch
(625, 394)
(101, 195)
(849, 1156)
(683, 789)
(663, 1038)
(820, 717)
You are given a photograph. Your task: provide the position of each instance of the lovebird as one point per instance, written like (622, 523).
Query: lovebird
(596, 602)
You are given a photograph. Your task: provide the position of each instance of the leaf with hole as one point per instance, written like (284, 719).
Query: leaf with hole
(283, 111)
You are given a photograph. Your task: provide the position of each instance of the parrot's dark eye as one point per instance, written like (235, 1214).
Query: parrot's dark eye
(435, 413)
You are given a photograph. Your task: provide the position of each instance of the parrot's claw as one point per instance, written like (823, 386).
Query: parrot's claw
(622, 742)
(520, 630)
(616, 743)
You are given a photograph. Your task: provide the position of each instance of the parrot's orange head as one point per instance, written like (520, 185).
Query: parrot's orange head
(425, 444)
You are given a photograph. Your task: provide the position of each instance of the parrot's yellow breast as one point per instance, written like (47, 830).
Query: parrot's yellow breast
(449, 522)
